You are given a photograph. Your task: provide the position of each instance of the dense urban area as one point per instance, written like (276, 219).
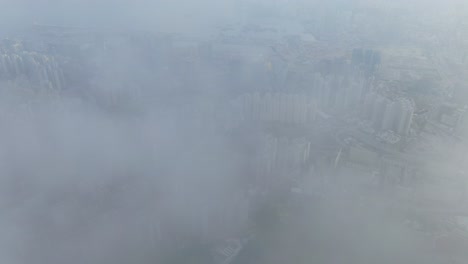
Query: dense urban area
(328, 133)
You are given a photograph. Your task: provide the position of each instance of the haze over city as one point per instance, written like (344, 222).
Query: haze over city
(233, 132)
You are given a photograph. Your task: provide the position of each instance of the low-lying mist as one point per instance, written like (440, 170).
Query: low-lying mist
(186, 132)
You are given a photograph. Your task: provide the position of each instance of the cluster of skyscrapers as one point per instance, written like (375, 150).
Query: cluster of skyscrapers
(33, 67)
(356, 95)
(386, 114)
